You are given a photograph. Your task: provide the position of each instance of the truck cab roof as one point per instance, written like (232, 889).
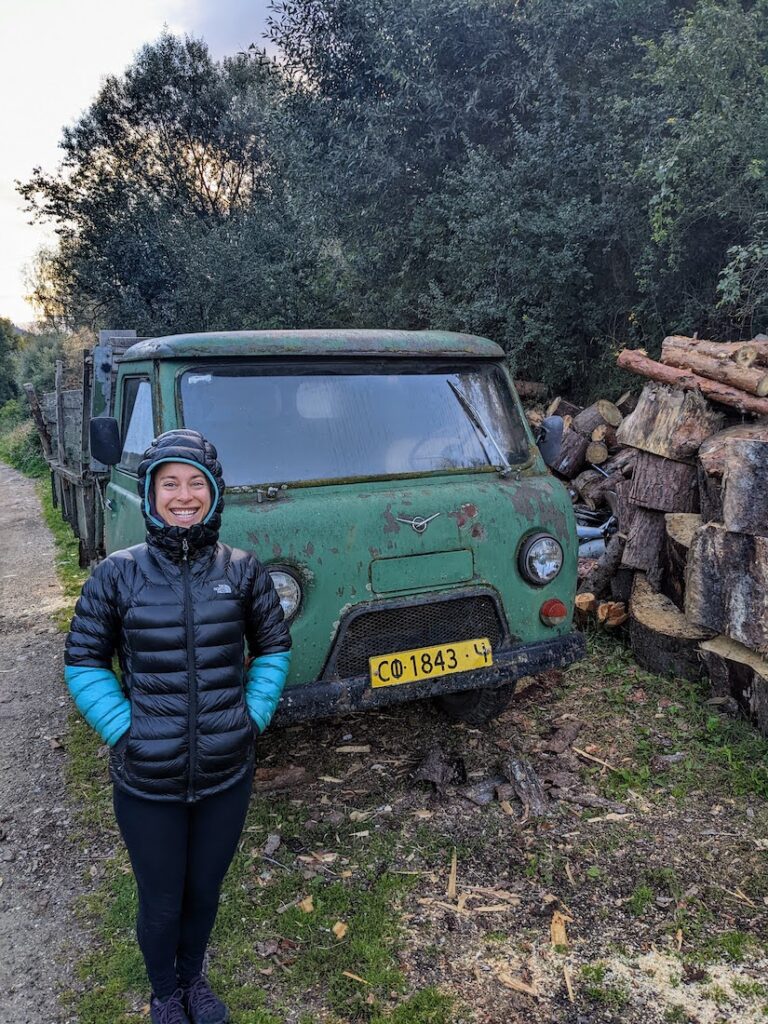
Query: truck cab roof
(334, 343)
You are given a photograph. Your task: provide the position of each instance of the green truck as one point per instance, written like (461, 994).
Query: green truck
(388, 480)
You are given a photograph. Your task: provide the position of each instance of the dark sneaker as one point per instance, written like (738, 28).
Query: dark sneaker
(202, 1005)
(170, 1010)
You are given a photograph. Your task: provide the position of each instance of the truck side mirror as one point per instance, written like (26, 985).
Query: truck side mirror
(106, 446)
(550, 438)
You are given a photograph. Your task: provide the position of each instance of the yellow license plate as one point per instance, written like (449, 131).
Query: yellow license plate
(429, 662)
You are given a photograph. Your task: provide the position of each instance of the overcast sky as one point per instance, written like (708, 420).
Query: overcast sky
(53, 57)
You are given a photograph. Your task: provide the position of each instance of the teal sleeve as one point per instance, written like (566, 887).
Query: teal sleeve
(264, 684)
(99, 698)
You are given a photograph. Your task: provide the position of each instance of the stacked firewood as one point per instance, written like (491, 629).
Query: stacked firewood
(687, 479)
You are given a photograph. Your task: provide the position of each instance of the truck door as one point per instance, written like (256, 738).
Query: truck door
(123, 519)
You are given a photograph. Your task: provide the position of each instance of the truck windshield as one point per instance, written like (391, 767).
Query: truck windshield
(274, 427)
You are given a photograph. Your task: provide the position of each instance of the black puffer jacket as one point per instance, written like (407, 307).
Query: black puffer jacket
(179, 611)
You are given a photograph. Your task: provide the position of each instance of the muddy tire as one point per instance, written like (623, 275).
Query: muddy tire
(476, 707)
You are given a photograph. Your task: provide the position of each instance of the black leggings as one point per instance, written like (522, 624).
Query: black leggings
(180, 854)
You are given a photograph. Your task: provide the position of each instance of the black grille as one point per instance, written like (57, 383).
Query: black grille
(400, 628)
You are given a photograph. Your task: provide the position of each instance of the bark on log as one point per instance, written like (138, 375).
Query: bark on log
(626, 403)
(644, 541)
(662, 639)
(595, 488)
(669, 422)
(745, 488)
(713, 453)
(754, 380)
(710, 497)
(625, 510)
(601, 411)
(572, 453)
(621, 585)
(562, 407)
(737, 672)
(741, 353)
(664, 485)
(528, 787)
(638, 363)
(726, 585)
(598, 580)
(680, 529)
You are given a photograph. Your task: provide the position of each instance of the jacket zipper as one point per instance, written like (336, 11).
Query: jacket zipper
(191, 672)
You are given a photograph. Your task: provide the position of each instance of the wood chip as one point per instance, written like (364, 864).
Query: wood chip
(307, 905)
(506, 806)
(517, 985)
(355, 977)
(569, 872)
(362, 749)
(331, 778)
(596, 760)
(340, 929)
(569, 983)
(451, 890)
(557, 929)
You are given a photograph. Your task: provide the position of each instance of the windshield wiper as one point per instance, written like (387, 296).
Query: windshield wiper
(477, 419)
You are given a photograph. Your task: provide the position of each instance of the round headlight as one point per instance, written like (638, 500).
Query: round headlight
(541, 559)
(288, 590)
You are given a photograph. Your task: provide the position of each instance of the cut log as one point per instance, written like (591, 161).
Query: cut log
(570, 459)
(598, 580)
(664, 485)
(531, 389)
(745, 488)
(597, 453)
(737, 672)
(726, 585)
(663, 641)
(713, 453)
(754, 380)
(606, 433)
(644, 541)
(612, 614)
(680, 529)
(562, 407)
(601, 411)
(669, 422)
(595, 488)
(639, 363)
(626, 403)
(741, 353)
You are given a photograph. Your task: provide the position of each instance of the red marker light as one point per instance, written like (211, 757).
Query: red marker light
(554, 612)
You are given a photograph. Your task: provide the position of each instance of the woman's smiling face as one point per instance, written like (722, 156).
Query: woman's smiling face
(182, 494)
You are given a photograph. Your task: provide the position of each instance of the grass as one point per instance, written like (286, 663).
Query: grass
(599, 990)
(721, 753)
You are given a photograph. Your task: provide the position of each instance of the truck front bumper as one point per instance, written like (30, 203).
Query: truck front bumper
(303, 702)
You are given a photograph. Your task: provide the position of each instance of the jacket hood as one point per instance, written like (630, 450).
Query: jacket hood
(190, 447)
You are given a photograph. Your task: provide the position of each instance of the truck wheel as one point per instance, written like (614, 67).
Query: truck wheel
(476, 707)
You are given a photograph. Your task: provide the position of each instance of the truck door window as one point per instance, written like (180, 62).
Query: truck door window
(137, 423)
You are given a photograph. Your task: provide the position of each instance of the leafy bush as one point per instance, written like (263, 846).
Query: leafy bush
(12, 413)
(20, 447)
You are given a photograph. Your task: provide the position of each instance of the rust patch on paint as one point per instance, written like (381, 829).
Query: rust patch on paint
(463, 514)
(391, 524)
(309, 550)
(277, 550)
(478, 531)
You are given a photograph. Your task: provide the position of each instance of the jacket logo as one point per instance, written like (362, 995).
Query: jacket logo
(223, 588)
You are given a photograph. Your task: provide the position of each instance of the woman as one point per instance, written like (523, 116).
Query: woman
(178, 610)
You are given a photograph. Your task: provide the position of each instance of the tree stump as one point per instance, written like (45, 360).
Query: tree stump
(726, 585)
(663, 641)
(737, 672)
(669, 422)
(745, 488)
(664, 485)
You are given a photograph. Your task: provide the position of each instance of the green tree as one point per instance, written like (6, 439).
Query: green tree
(8, 386)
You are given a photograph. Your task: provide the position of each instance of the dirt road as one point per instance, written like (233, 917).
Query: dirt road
(40, 870)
